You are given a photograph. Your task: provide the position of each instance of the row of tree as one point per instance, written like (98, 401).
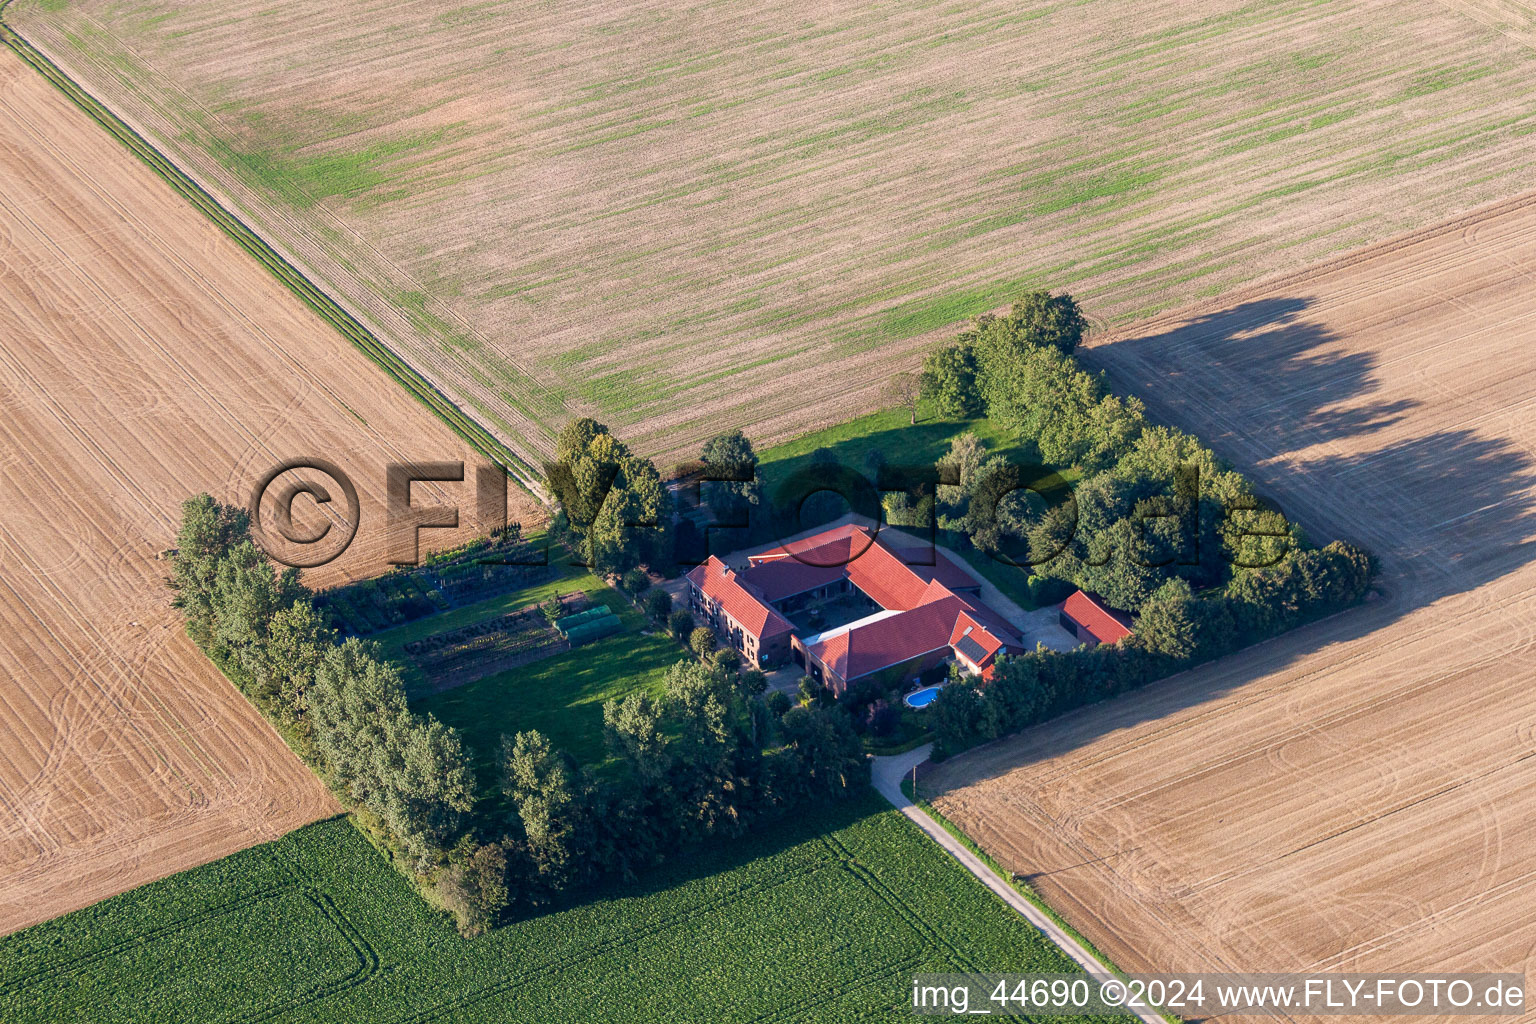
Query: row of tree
(709, 756)
(1176, 630)
(407, 773)
(1150, 503)
(1155, 523)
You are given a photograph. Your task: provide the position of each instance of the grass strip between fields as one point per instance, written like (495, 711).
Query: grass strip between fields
(478, 437)
(1019, 886)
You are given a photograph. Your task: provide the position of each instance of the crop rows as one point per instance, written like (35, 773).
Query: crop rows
(747, 217)
(398, 369)
(782, 926)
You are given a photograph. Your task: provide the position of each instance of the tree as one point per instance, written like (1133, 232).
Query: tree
(962, 463)
(730, 455)
(753, 683)
(428, 784)
(1053, 320)
(680, 624)
(658, 604)
(810, 690)
(954, 714)
(553, 608)
(1169, 622)
(550, 799)
(615, 507)
(1041, 393)
(727, 661)
(778, 703)
(633, 731)
(574, 441)
(831, 761)
(948, 381)
(702, 642)
(297, 641)
(1127, 538)
(904, 390)
(354, 702)
(209, 529)
(633, 525)
(1037, 320)
(711, 725)
(478, 887)
(245, 596)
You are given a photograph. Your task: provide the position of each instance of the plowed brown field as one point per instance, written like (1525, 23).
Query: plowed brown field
(1360, 795)
(143, 357)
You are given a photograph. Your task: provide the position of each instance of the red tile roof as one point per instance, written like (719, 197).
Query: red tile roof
(939, 621)
(788, 577)
(966, 626)
(944, 569)
(889, 641)
(931, 615)
(738, 599)
(1102, 624)
(798, 549)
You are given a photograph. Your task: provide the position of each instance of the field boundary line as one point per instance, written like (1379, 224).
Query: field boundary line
(887, 776)
(471, 430)
(1266, 286)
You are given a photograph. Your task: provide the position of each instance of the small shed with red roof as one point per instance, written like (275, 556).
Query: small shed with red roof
(1093, 622)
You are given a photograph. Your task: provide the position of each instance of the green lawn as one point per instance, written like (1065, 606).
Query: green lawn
(825, 916)
(562, 696)
(890, 431)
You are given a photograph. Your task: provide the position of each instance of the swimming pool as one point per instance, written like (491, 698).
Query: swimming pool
(922, 698)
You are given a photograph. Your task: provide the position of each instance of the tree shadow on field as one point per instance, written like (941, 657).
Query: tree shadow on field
(1291, 404)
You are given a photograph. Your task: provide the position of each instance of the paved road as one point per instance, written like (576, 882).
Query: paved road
(888, 773)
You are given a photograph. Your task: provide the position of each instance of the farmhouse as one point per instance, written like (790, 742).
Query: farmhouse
(1088, 618)
(904, 611)
(738, 613)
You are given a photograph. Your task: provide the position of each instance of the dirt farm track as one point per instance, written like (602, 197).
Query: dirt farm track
(1360, 795)
(143, 357)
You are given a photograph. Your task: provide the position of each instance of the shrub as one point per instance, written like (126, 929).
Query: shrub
(552, 608)
(727, 660)
(658, 604)
(634, 581)
(881, 718)
(753, 683)
(810, 690)
(680, 623)
(778, 702)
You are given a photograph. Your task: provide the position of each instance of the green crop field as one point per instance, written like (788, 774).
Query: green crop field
(822, 919)
(705, 214)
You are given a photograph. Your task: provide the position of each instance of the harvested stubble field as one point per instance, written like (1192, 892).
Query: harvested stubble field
(1360, 795)
(144, 357)
(675, 216)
